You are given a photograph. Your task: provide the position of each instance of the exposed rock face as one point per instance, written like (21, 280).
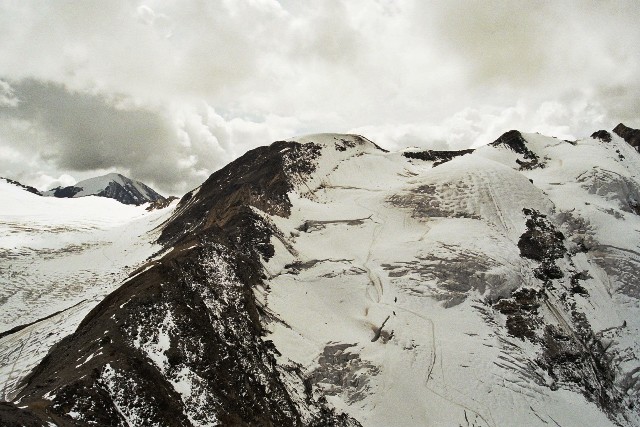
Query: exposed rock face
(572, 355)
(129, 194)
(343, 372)
(11, 415)
(65, 192)
(180, 342)
(161, 203)
(261, 178)
(515, 142)
(521, 311)
(439, 157)
(602, 135)
(632, 136)
(541, 242)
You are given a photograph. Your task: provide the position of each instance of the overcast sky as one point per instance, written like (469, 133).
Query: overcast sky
(169, 91)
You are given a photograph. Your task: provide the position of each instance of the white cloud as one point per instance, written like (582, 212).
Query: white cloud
(7, 95)
(44, 182)
(212, 79)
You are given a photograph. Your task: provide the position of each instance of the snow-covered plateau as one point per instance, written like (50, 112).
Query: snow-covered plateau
(323, 281)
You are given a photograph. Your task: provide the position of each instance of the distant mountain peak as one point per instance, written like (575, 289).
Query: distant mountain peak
(112, 185)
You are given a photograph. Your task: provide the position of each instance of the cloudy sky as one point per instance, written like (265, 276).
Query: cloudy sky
(169, 91)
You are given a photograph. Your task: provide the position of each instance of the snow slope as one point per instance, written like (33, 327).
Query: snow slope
(59, 258)
(387, 273)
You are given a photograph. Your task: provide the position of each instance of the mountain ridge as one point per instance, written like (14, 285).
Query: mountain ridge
(520, 249)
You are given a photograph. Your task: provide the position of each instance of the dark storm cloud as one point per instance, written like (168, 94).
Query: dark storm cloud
(201, 82)
(87, 132)
(44, 126)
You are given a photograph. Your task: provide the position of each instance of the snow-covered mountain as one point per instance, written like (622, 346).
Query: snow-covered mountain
(113, 186)
(325, 281)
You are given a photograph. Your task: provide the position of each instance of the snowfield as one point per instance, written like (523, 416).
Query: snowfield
(59, 258)
(384, 275)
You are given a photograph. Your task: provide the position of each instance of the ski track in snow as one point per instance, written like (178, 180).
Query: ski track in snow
(378, 289)
(374, 279)
(375, 291)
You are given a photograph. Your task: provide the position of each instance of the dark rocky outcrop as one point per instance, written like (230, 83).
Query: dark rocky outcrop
(343, 144)
(573, 357)
(160, 203)
(630, 135)
(514, 140)
(12, 416)
(602, 135)
(261, 178)
(65, 192)
(541, 241)
(189, 321)
(129, 194)
(521, 311)
(578, 360)
(439, 157)
(341, 371)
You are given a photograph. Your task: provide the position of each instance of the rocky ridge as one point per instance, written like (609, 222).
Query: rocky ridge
(184, 335)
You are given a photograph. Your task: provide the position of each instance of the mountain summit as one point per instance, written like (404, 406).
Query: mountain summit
(323, 281)
(113, 186)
